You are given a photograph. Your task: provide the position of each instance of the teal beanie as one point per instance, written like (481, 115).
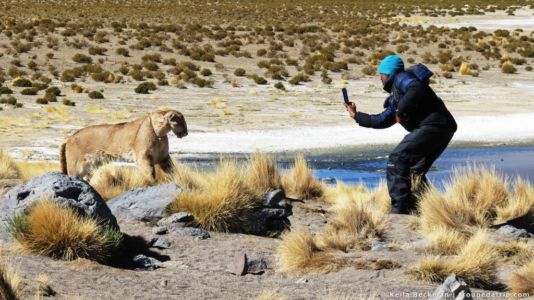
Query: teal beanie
(391, 64)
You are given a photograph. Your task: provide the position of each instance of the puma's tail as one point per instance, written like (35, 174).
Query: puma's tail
(63, 158)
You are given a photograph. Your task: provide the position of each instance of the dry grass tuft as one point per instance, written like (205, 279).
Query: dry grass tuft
(520, 203)
(8, 168)
(475, 263)
(298, 253)
(262, 173)
(111, 180)
(52, 230)
(445, 241)
(522, 281)
(471, 201)
(223, 201)
(300, 182)
(359, 217)
(515, 252)
(270, 295)
(31, 169)
(186, 178)
(9, 282)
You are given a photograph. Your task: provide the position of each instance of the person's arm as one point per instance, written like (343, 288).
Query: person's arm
(379, 121)
(409, 103)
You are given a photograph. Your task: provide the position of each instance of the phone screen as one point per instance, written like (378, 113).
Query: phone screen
(345, 95)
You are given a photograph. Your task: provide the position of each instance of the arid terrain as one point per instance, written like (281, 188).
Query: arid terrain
(266, 76)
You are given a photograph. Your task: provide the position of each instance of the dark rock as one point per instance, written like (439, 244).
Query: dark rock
(145, 262)
(452, 288)
(513, 232)
(238, 265)
(159, 230)
(148, 204)
(256, 266)
(329, 180)
(179, 217)
(70, 191)
(379, 245)
(160, 243)
(191, 231)
(270, 221)
(271, 199)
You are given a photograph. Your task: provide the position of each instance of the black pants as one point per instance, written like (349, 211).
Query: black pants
(413, 157)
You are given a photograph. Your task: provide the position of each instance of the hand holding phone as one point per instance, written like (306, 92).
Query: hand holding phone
(345, 95)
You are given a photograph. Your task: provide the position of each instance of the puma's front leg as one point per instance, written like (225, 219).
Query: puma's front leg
(166, 164)
(147, 167)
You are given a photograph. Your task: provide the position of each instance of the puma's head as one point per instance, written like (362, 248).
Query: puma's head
(169, 120)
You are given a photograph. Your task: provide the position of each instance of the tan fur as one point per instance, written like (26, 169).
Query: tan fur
(144, 140)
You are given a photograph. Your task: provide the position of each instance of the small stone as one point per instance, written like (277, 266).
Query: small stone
(302, 280)
(163, 283)
(256, 266)
(161, 244)
(179, 217)
(192, 231)
(379, 245)
(329, 180)
(145, 262)
(378, 274)
(513, 232)
(271, 199)
(159, 230)
(239, 264)
(452, 288)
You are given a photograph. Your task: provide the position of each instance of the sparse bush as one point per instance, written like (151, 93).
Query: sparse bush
(22, 82)
(239, 72)
(96, 95)
(298, 79)
(369, 70)
(205, 72)
(41, 101)
(82, 58)
(97, 50)
(258, 79)
(30, 91)
(54, 90)
(8, 167)
(68, 102)
(301, 183)
(4, 90)
(280, 86)
(508, 68)
(145, 88)
(122, 51)
(50, 97)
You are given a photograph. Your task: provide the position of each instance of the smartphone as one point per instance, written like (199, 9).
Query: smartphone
(345, 95)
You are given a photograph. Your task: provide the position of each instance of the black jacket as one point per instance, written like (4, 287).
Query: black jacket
(414, 101)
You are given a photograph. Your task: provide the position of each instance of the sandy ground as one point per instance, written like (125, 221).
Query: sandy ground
(197, 269)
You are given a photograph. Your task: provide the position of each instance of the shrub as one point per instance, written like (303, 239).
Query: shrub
(137, 75)
(22, 82)
(258, 79)
(41, 101)
(67, 76)
(369, 70)
(68, 102)
(298, 79)
(122, 51)
(508, 68)
(97, 50)
(240, 72)
(261, 52)
(53, 230)
(145, 87)
(30, 91)
(300, 182)
(4, 90)
(280, 86)
(82, 58)
(111, 180)
(50, 97)
(96, 95)
(150, 65)
(205, 72)
(54, 90)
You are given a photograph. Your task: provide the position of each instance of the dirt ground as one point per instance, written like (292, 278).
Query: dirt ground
(198, 269)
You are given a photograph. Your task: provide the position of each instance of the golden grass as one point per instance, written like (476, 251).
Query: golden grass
(186, 178)
(8, 168)
(223, 202)
(300, 182)
(299, 253)
(9, 281)
(475, 263)
(522, 281)
(515, 252)
(59, 232)
(111, 180)
(262, 173)
(520, 202)
(270, 295)
(31, 169)
(445, 241)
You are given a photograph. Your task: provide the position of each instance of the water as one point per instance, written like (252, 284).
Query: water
(367, 166)
(511, 161)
